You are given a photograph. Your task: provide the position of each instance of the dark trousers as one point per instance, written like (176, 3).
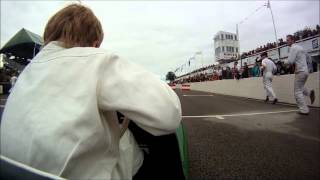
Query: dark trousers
(161, 155)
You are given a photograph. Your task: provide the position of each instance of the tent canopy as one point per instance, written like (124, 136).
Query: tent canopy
(23, 44)
(24, 36)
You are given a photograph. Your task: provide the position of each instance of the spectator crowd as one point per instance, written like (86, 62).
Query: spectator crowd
(212, 73)
(307, 32)
(218, 72)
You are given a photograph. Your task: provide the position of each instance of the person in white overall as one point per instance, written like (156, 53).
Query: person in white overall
(302, 61)
(268, 67)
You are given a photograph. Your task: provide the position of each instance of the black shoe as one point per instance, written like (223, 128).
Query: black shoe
(275, 101)
(301, 113)
(312, 96)
(267, 99)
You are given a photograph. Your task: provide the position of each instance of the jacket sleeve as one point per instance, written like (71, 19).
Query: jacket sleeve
(274, 71)
(139, 95)
(292, 55)
(309, 62)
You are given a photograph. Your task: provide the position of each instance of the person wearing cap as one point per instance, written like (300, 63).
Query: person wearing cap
(61, 116)
(302, 61)
(268, 67)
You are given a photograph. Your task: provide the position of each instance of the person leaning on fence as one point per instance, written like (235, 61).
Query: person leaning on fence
(245, 72)
(61, 115)
(13, 80)
(255, 71)
(236, 70)
(219, 72)
(229, 73)
(303, 63)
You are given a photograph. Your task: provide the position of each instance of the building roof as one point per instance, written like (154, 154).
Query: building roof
(225, 32)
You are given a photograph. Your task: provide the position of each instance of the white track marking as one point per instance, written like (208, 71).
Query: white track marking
(196, 95)
(2, 106)
(3, 99)
(219, 117)
(245, 114)
(278, 103)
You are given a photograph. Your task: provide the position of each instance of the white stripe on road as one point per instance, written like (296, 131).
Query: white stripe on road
(245, 114)
(197, 95)
(278, 103)
(219, 117)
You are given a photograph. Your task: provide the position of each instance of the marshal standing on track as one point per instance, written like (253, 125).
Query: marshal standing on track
(268, 67)
(303, 63)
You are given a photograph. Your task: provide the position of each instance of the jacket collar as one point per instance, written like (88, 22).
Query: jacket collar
(53, 45)
(48, 50)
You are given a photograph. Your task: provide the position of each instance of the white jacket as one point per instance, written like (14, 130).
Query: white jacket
(60, 117)
(299, 57)
(269, 67)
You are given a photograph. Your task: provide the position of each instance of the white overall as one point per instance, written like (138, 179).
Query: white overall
(267, 84)
(300, 58)
(269, 67)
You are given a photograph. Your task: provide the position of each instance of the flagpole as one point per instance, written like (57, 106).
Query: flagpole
(201, 60)
(237, 31)
(274, 28)
(237, 28)
(34, 50)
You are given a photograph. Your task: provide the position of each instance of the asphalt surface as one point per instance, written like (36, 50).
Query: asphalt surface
(249, 139)
(238, 138)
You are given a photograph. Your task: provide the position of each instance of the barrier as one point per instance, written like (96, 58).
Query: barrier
(173, 87)
(253, 87)
(185, 87)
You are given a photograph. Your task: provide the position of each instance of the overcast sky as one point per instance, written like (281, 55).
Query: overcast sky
(162, 36)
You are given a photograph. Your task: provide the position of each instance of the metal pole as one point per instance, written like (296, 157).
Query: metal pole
(201, 59)
(34, 50)
(274, 28)
(237, 31)
(186, 70)
(190, 67)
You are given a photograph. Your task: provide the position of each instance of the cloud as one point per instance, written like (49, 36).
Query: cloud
(163, 35)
